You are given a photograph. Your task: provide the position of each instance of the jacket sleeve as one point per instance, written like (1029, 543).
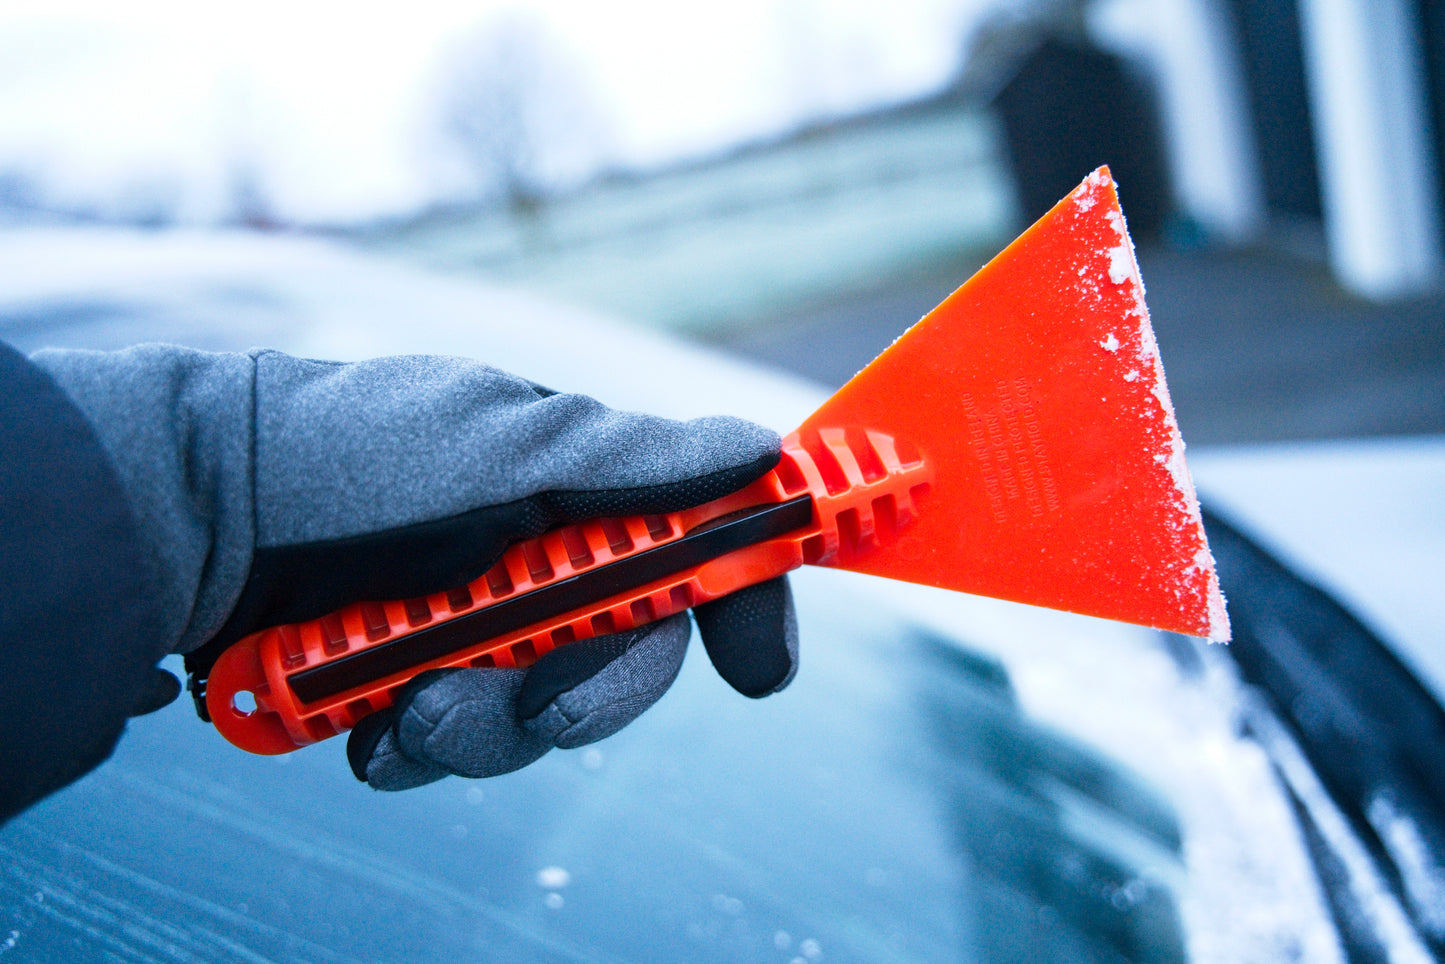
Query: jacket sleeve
(82, 592)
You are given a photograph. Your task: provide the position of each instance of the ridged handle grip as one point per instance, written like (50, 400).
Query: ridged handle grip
(834, 494)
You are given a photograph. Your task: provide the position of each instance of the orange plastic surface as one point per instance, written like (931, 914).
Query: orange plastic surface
(1037, 395)
(864, 492)
(1018, 442)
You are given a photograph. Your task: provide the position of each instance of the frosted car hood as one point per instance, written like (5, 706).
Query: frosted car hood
(949, 777)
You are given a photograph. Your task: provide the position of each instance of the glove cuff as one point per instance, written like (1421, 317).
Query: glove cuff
(177, 425)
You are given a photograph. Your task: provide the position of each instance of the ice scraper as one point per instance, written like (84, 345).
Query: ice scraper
(1017, 442)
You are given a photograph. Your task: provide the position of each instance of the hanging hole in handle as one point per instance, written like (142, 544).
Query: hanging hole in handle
(244, 702)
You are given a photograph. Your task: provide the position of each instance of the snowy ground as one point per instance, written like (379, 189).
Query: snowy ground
(1247, 891)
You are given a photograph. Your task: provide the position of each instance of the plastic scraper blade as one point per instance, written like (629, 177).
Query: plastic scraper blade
(1036, 394)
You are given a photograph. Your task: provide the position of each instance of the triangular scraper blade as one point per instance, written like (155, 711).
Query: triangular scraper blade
(1036, 393)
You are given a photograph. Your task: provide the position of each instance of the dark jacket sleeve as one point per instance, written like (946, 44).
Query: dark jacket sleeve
(79, 592)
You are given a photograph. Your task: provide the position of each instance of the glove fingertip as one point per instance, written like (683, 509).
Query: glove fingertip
(751, 636)
(618, 693)
(565, 668)
(376, 758)
(464, 722)
(365, 737)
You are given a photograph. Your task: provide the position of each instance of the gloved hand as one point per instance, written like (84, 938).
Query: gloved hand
(277, 489)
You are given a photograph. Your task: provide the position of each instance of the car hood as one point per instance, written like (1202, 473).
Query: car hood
(950, 778)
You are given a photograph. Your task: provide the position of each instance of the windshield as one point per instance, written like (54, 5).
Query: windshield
(897, 805)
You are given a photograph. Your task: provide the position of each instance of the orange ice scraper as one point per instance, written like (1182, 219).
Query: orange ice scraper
(1018, 442)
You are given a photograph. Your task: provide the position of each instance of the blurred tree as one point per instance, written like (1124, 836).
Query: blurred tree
(520, 113)
(250, 205)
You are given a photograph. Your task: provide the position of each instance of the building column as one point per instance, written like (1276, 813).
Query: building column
(1189, 50)
(1372, 125)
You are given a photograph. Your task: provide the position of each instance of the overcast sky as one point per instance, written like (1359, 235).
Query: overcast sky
(335, 111)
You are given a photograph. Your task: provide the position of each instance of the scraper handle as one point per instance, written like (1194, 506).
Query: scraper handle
(836, 493)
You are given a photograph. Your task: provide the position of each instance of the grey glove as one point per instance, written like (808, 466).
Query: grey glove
(277, 489)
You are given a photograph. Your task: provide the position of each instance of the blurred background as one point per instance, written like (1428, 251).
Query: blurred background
(797, 180)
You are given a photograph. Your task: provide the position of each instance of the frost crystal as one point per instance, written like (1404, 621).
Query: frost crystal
(1085, 195)
(1121, 264)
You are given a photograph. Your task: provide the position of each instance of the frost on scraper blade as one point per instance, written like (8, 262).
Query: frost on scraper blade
(1141, 358)
(1036, 393)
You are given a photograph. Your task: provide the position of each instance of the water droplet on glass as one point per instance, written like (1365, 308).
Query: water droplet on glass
(553, 878)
